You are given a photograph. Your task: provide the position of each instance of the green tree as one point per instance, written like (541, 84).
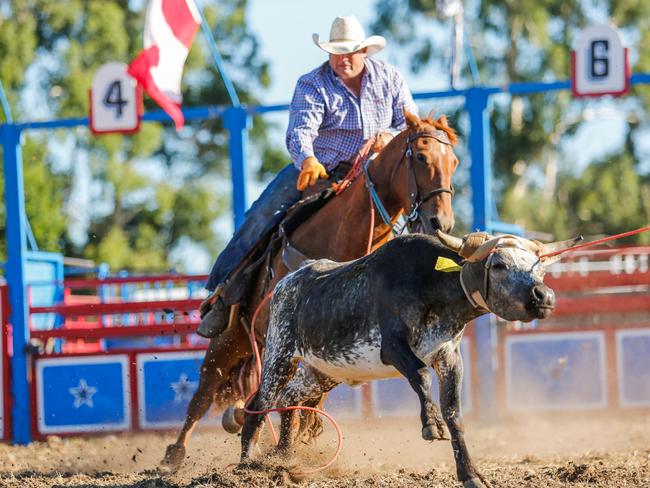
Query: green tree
(43, 189)
(531, 41)
(152, 190)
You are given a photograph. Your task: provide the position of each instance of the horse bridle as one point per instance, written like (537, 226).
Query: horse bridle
(412, 186)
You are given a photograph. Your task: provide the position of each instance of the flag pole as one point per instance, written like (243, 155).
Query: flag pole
(6, 108)
(218, 61)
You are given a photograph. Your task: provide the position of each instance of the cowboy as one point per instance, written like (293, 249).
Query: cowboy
(335, 109)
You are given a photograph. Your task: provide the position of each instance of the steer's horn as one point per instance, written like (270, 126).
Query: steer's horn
(552, 247)
(561, 245)
(472, 242)
(453, 243)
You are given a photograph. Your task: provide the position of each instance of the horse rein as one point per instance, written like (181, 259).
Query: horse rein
(413, 189)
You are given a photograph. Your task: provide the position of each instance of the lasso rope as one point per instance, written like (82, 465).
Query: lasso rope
(258, 364)
(360, 160)
(597, 241)
(258, 360)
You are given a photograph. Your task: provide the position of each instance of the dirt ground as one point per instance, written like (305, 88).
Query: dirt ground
(586, 450)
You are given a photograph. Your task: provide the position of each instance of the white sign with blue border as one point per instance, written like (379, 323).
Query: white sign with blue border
(166, 383)
(83, 394)
(556, 371)
(633, 358)
(599, 63)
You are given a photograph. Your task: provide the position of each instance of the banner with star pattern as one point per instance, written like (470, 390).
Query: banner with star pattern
(83, 394)
(166, 383)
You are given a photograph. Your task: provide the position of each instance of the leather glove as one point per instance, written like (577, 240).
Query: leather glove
(311, 171)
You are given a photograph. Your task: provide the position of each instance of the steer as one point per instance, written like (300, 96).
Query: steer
(395, 312)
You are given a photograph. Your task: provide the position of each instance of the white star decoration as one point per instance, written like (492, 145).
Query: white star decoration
(183, 388)
(83, 394)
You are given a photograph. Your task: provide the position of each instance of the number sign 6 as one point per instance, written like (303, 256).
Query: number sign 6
(115, 101)
(599, 63)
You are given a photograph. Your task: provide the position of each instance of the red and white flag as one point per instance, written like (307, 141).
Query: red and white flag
(170, 27)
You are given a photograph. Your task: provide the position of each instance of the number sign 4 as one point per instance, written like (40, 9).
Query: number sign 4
(115, 101)
(599, 63)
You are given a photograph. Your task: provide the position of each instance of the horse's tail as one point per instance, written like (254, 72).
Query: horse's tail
(243, 377)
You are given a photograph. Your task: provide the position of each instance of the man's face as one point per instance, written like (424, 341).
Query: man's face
(348, 66)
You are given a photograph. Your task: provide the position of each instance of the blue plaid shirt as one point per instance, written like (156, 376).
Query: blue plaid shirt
(327, 121)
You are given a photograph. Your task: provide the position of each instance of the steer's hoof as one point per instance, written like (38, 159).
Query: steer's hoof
(233, 418)
(174, 456)
(474, 483)
(431, 433)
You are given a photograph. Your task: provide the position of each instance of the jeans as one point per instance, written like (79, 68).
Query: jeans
(265, 215)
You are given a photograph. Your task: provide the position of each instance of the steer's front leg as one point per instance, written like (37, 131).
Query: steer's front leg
(396, 352)
(449, 367)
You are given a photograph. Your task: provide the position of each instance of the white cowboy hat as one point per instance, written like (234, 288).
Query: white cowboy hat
(347, 36)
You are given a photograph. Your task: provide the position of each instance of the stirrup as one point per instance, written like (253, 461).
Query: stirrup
(206, 305)
(216, 320)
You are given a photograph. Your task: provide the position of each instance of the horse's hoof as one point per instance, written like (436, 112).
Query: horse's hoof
(232, 419)
(174, 456)
(473, 483)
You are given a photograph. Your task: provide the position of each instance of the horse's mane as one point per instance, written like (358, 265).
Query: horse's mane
(451, 133)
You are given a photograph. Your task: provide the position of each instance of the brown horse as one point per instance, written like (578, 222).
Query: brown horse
(412, 175)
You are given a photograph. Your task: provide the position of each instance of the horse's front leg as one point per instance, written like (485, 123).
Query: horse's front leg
(223, 353)
(396, 351)
(449, 368)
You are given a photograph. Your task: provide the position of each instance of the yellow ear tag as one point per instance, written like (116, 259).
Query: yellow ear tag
(446, 265)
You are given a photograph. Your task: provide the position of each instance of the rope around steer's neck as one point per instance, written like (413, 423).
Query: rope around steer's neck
(475, 290)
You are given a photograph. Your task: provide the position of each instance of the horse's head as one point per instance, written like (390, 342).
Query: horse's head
(430, 164)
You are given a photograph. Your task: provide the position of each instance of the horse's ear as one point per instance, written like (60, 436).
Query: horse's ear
(443, 120)
(411, 120)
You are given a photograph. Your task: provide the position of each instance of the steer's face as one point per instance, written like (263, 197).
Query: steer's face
(515, 285)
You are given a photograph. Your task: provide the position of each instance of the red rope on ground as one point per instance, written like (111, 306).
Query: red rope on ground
(345, 182)
(597, 241)
(258, 364)
(320, 412)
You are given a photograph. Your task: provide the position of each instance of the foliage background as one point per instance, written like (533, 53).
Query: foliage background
(129, 201)
(538, 185)
(133, 202)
